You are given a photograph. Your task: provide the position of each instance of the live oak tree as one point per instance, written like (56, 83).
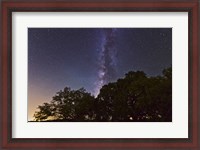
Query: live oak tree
(136, 97)
(67, 105)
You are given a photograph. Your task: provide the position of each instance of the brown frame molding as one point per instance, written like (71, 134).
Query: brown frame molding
(9, 6)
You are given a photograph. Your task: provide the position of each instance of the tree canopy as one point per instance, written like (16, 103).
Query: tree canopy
(136, 98)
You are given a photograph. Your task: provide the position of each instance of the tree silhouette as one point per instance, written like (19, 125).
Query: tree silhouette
(67, 105)
(136, 97)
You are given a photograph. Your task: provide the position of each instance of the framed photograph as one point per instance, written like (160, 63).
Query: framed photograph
(100, 74)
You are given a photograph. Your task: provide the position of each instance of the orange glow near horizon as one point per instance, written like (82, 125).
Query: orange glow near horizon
(37, 96)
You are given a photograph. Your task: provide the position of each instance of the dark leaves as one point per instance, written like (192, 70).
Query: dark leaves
(134, 98)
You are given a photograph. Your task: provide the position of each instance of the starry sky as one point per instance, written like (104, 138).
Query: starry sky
(90, 58)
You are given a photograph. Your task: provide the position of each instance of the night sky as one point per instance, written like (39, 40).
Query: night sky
(91, 57)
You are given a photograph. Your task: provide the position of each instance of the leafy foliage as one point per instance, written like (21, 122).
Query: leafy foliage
(69, 105)
(133, 98)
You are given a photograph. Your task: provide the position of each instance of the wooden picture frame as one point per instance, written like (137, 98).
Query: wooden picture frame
(190, 6)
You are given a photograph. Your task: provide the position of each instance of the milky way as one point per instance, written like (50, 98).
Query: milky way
(107, 59)
(91, 58)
